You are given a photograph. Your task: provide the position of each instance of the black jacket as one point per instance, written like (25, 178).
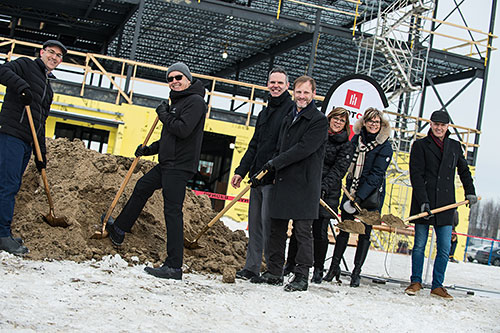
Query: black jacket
(301, 149)
(262, 146)
(377, 161)
(338, 156)
(179, 146)
(432, 176)
(18, 75)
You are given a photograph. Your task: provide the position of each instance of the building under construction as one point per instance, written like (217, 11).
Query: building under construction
(113, 76)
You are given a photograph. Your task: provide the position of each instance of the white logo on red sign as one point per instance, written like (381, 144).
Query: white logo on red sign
(353, 99)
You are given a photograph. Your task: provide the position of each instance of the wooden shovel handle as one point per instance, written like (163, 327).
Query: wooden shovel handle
(329, 209)
(127, 177)
(438, 210)
(39, 157)
(350, 197)
(228, 206)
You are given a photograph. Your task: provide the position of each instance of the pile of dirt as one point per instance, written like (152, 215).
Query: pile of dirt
(83, 184)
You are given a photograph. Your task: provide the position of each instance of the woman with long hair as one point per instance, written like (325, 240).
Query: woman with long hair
(366, 183)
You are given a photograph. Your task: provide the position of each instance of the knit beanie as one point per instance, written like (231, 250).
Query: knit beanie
(180, 67)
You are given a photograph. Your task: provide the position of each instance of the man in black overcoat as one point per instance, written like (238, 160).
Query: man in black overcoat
(433, 162)
(297, 186)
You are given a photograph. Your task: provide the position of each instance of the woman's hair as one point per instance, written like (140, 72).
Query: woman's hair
(340, 112)
(371, 113)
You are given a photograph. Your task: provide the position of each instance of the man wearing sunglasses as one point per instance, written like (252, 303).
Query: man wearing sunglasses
(179, 150)
(28, 83)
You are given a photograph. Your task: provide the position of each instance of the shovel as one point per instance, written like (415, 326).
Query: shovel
(396, 222)
(103, 233)
(193, 244)
(50, 218)
(347, 225)
(370, 218)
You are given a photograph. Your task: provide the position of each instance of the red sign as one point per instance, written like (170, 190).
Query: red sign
(353, 99)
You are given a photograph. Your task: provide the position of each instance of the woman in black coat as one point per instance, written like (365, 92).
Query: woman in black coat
(366, 183)
(338, 155)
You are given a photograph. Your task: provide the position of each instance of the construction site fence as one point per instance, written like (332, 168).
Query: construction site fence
(84, 65)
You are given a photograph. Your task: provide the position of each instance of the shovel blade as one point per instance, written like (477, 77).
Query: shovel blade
(394, 221)
(370, 218)
(53, 221)
(99, 235)
(191, 245)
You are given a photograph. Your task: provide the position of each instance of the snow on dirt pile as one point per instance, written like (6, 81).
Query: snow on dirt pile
(83, 184)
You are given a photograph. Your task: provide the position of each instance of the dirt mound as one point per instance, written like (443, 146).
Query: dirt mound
(83, 184)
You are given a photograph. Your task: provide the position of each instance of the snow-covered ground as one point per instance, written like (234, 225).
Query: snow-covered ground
(109, 295)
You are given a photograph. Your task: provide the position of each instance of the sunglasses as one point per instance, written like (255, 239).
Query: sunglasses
(176, 77)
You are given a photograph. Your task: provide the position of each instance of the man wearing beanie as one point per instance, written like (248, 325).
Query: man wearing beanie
(179, 150)
(28, 83)
(433, 161)
(260, 150)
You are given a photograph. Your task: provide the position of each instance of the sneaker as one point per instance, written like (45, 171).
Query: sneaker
(10, 245)
(245, 274)
(299, 283)
(115, 234)
(413, 288)
(268, 278)
(441, 292)
(165, 272)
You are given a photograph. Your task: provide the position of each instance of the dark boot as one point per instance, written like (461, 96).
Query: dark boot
(320, 248)
(116, 235)
(10, 245)
(268, 278)
(165, 272)
(299, 283)
(338, 253)
(359, 259)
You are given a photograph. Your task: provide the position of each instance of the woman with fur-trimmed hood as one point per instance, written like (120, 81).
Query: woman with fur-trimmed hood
(365, 182)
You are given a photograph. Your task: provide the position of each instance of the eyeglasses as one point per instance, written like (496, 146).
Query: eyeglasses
(339, 120)
(59, 55)
(176, 77)
(373, 122)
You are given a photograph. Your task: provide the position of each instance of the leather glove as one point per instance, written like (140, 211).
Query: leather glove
(41, 164)
(472, 199)
(426, 207)
(26, 96)
(162, 111)
(142, 151)
(254, 182)
(269, 166)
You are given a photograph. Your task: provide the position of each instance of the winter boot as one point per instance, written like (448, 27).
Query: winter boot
(338, 252)
(165, 272)
(299, 283)
(320, 247)
(10, 245)
(359, 259)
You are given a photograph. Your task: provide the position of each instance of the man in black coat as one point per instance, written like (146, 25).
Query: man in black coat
(179, 150)
(261, 149)
(28, 83)
(433, 161)
(297, 189)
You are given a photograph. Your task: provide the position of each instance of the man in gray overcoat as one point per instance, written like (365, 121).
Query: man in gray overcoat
(433, 162)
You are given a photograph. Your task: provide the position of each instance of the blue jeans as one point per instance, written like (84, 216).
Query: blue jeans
(14, 157)
(443, 239)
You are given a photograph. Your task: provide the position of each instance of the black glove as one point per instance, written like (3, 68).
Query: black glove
(254, 182)
(472, 199)
(269, 166)
(142, 151)
(426, 208)
(41, 164)
(26, 96)
(356, 201)
(162, 111)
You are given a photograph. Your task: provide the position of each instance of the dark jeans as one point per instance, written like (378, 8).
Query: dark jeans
(14, 157)
(173, 185)
(277, 245)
